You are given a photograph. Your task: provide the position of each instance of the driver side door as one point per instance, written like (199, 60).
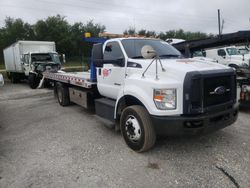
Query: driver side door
(111, 76)
(222, 56)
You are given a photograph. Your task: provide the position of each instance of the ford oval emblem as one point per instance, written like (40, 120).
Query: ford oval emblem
(220, 90)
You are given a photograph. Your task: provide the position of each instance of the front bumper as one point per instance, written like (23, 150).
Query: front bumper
(192, 125)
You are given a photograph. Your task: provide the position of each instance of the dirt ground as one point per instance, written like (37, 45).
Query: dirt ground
(45, 145)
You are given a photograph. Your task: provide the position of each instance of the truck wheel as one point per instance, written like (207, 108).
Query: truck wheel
(33, 81)
(137, 128)
(62, 93)
(234, 66)
(14, 78)
(8, 75)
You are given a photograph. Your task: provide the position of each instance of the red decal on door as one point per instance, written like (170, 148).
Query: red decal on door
(106, 72)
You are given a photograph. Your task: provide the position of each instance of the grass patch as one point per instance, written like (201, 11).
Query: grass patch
(74, 69)
(73, 64)
(2, 66)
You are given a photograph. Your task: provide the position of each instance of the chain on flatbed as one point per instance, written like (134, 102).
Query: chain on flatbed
(70, 78)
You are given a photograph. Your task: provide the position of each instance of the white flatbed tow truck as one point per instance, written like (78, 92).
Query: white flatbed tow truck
(146, 88)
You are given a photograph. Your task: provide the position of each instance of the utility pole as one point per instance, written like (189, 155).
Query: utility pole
(219, 22)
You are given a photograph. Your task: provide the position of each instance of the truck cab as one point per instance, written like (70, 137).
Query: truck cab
(229, 56)
(179, 96)
(35, 63)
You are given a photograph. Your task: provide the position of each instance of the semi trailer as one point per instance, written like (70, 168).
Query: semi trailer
(29, 59)
(145, 88)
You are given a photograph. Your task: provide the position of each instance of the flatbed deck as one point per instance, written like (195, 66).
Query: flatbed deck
(81, 79)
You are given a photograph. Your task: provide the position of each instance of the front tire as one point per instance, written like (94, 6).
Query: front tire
(137, 128)
(33, 81)
(8, 75)
(14, 78)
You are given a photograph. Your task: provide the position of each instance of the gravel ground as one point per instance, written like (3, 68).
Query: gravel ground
(45, 145)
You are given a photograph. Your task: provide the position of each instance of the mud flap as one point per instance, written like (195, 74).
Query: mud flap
(41, 83)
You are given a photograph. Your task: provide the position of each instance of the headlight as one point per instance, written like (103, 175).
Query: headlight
(165, 99)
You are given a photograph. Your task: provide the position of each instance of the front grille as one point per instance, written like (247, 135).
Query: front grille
(210, 84)
(205, 90)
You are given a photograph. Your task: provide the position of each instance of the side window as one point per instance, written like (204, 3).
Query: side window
(221, 52)
(112, 51)
(26, 59)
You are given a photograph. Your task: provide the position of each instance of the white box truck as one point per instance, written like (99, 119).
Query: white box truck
(29, 59)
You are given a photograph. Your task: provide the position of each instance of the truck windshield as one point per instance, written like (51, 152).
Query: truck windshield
(243, 51)
(45, 57)
(163, 49)
(232, 51)
(55, 58)
(199, 53)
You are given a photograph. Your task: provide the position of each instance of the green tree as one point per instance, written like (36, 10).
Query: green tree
(94, 28)
(55, 28)
(130, 31)
(150, 34)
(14, 29)
(142, 32)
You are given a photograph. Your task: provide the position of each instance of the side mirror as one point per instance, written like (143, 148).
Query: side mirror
(1, 80)
(108, 48)
(63, 58)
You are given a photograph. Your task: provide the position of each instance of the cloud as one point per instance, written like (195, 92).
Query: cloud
(118, 15)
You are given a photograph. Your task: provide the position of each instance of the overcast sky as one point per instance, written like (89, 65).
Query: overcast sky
(118, 15)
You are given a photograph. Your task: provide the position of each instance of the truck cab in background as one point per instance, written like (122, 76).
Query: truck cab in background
(229, 56)
(244, 50)
(34, 64)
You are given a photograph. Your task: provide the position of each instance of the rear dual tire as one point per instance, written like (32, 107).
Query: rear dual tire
(62, 94)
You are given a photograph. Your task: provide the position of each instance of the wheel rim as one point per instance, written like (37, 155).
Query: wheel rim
(133, 129)
(59, 93)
